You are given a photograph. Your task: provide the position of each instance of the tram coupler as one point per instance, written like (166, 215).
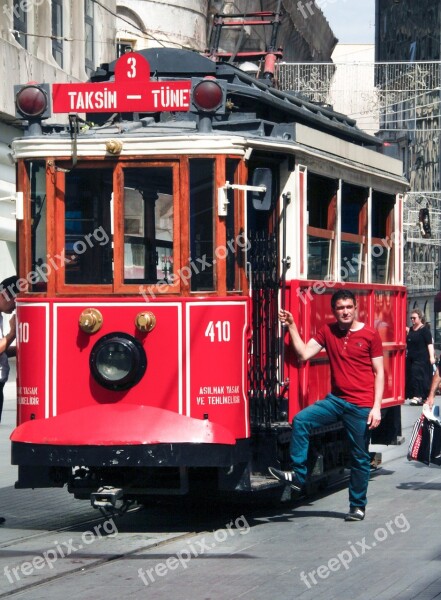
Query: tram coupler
(107, 498)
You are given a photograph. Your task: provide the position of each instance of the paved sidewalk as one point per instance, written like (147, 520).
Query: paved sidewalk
(305, 551)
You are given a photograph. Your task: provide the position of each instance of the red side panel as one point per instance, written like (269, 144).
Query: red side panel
(33, 349)
(216, 363)
(379, 307)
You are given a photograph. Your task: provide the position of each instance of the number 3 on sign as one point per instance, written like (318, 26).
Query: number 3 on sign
(219, 331)
(131, 61)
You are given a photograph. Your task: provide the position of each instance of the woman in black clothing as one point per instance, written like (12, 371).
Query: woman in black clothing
(420, 357)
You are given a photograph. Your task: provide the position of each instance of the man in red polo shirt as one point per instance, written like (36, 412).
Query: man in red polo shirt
(357, 380)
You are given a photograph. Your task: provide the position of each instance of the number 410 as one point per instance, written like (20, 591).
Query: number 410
(219, 331)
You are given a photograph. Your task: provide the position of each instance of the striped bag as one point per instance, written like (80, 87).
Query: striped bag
(420, 444)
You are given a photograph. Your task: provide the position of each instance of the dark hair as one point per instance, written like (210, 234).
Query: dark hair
(8, 287)
(342, 295)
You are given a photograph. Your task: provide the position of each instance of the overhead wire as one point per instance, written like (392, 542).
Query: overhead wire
(145, 34)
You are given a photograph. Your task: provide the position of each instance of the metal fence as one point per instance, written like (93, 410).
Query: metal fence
(380, 96)
(420, 277)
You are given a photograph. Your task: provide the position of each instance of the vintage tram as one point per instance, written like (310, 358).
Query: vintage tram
(158, 236)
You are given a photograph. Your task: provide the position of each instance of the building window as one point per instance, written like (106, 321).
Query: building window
(88, 30)
(20, 23)
(57, 31)
(123, 46)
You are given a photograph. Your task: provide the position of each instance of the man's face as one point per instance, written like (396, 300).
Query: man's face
(344, 312)
(7, 304)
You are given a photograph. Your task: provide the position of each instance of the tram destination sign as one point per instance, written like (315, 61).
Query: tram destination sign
(132, 91)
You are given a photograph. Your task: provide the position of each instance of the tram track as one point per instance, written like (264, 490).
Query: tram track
(96, 564)
(129, 530)
(133, 537)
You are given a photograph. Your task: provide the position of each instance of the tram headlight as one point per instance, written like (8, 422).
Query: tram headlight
(32, 101)
(118, 361)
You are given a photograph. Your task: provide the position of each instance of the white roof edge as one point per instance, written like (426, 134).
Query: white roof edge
(344, 149)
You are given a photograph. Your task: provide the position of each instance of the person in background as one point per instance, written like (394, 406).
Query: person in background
(8, 292)
(420, 358)
(355, 355)
(436, 380)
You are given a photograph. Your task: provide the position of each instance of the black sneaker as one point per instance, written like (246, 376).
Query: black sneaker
(288, 477)
(355, 514)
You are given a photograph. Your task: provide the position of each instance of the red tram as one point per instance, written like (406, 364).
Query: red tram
(157, 240)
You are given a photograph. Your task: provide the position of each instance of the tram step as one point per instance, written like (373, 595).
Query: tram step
(262, 482)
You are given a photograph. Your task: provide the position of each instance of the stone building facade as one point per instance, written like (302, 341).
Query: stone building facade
(66, 40)
(408, 41)
(43, 41)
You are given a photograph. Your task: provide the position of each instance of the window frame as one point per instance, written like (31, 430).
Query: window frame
(119, 276)
(20, 24)
(56, 169)
(328, 233)
(89, 24)
(57, 31)
(355, 238)
(387, 240)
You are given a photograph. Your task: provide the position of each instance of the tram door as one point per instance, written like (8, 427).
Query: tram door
(263, 276)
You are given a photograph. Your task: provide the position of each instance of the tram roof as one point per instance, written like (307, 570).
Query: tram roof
(258, 106)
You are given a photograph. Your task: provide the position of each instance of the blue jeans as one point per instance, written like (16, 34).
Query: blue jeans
(354, 418)
(2, 385)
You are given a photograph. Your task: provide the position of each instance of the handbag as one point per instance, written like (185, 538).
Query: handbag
(435, 452)
(420, 444)
(425, 441)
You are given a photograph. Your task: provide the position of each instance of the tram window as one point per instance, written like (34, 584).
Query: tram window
(235, 252)
(201, 223)
(148, 225)
(353, 232)
(384, 315)
(381, 246)
(37, 178)
(88, 245)
(322, 199)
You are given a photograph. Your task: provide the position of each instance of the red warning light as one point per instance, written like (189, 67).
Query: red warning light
(31, 101)
(208, 95)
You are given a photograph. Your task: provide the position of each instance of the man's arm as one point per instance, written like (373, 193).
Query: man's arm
(304, 351)
(436, 379)
(7, 340)
(374, 418)
(432, 357)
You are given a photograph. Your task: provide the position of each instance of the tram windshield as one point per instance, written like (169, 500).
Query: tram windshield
(87, 226)
(148, 225)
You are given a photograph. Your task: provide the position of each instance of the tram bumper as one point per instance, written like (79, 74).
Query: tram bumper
(124, 435)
